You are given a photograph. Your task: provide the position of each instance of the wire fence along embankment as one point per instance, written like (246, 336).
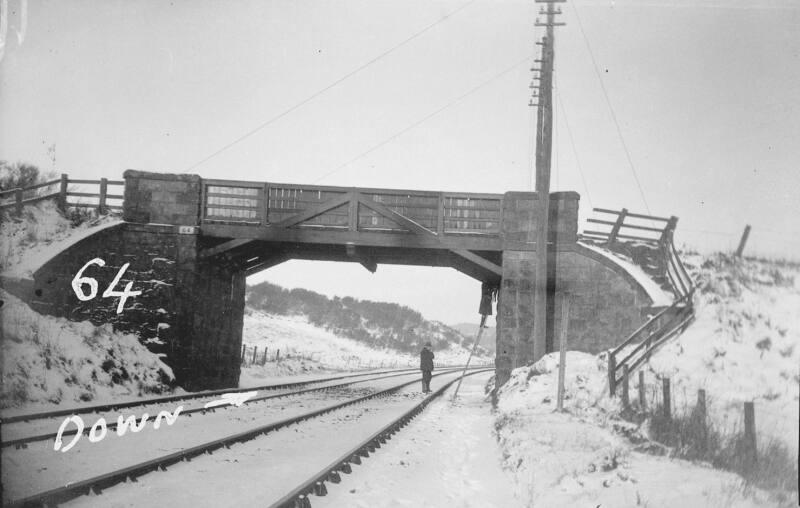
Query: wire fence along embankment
(692, 435)
(254, 356)
(648, 240)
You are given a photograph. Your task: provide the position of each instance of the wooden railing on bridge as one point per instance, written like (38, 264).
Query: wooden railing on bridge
(60, 190)
(263, 204)
(659, 239)
(629, 228)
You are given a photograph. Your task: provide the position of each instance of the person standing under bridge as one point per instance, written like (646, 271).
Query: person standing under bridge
(426, 366)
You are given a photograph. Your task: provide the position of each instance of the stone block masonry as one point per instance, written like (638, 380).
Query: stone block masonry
(190, 313)
(160, 198)
(607, 304)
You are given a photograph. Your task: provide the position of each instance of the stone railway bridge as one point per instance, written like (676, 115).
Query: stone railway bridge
(191, 242)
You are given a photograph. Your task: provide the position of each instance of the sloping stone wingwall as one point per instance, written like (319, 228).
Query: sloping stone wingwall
(607, 304)
(189, 312)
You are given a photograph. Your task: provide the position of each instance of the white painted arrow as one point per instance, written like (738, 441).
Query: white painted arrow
(233, 399)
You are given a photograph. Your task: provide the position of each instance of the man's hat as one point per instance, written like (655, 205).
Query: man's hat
(428, 344)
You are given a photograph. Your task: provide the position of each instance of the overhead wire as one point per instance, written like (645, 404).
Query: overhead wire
(574, 150)
(425, 118)
(329, 86)
(611, 109)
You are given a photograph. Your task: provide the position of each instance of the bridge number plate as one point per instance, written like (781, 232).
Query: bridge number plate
(187, 230)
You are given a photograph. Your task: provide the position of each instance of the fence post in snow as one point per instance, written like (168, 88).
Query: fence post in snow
(612, 235)
(278, 356)
(18, 200)
(642, 401)
(750, 449)
(62, 192)
(255, 348)
(612, 373)
(743, 241)
(667, 399)
(244, 349)
(625, 399)
(562, 353)
(701, 418)
(101, 204)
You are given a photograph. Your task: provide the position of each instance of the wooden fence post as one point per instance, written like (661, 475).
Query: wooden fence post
(612, 373)
(101, 206)
(667, 399)
(612, 236)
(562, 351)
(278, 356)
(62, 192)
(642, 397)
(701, 418)
(253, 361)
(18, 200)
(625, 399)
(743, 241)
(244, 350)
(750, 450)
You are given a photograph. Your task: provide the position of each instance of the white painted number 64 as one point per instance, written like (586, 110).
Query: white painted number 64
(78, 281)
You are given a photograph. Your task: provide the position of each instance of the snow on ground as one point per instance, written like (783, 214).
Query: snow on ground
(41, 234)
(305, 348)
(654, 291)
(743, 346)
(568, 459)
(446, 456)
(50, 361)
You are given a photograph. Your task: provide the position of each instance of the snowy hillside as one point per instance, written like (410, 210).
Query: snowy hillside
(580, 457)
(305, 347)
(51, 361)
(743, 346)
(379, 325)
(41, 233)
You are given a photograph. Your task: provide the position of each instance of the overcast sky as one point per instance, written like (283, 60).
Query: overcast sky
(706, 95)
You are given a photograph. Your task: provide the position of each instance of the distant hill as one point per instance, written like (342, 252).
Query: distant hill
(470, 330)
(378, 324)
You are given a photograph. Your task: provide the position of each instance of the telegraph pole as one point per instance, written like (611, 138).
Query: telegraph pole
(542, 344)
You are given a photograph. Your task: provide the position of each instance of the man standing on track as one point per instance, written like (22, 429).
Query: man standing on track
(426, 366)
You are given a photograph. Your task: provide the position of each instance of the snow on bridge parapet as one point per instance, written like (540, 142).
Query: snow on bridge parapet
(659, 297)
(38, 255)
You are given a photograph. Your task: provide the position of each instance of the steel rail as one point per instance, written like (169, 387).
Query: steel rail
(22, 442)
(298, 497)
(100, 482)
(113, 406)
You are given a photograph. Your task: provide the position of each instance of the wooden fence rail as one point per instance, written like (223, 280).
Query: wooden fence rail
(670, 321)
(60, 191)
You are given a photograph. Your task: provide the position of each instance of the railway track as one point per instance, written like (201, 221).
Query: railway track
(23, 441)
(99, 408)
(315, 484)
(98, 482)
